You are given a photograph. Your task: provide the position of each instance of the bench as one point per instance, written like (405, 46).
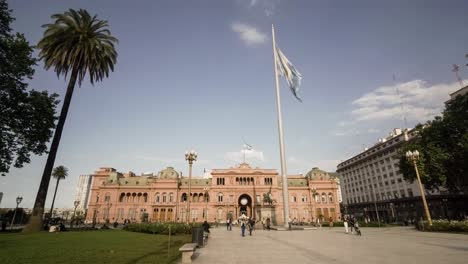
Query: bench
(187, 252)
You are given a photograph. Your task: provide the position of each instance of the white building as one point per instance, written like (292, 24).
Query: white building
(82, 192)
(373, 176)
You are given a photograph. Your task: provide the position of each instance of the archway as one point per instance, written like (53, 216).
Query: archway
(245, 205)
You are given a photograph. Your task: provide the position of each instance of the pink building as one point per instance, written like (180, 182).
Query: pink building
(229, 193)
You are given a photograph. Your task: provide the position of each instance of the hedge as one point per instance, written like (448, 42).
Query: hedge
(162, 228)
(443, 226)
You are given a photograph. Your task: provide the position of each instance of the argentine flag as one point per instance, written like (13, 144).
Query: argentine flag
(289, 72)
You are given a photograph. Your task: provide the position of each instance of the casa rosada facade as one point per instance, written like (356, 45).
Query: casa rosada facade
(229, 193)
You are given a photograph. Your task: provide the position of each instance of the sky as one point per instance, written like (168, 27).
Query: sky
(199, 75)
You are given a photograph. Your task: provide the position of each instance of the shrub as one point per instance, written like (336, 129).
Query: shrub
(443, 226)
(161, 228)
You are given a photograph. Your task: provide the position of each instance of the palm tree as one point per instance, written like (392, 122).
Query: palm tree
(59, 173)
(75, 43)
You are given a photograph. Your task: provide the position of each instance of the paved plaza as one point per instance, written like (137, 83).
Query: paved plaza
(384, 245)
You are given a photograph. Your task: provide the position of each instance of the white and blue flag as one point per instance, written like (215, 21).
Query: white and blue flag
(289, 72)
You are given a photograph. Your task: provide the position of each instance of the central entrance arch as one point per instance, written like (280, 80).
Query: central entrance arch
(245, 205)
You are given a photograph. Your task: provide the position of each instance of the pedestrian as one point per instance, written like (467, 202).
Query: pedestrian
(263, 223)
(345, 223)
(228, 222)
(330, 222)
(206, 227)
(268, 224)
(243, 227)
(289, 223)
(251, 225)
(351, 224)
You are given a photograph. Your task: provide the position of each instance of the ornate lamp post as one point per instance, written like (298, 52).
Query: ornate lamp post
(75, 203)
(18, 201)
(190, 156)
(414, 156)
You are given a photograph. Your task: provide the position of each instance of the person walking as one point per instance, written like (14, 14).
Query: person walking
(351, 224)
(228, 223)
(345, 223)
(268, 224)
(243, 227)
(330, 222)
(251, 225)
(289, 223)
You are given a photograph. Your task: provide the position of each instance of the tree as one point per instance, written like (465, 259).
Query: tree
(443, 147)
(59, 173)
(27, 118)
(79, 44)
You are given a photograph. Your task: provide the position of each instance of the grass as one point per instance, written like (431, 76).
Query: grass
(108, 246)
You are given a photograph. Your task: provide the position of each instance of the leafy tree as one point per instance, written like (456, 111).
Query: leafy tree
(59, 173)
(75, 43)
(26, 117)
(443, 147)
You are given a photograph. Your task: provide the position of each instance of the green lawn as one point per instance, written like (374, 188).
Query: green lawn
(89, 247)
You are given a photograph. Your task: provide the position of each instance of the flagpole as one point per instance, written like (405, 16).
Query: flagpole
(281, 141)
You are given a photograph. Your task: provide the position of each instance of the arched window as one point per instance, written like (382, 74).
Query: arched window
(220, 197)
(184, 197)
(317, 197)
(330, 197)
(164, 197)
(157, 198)
(207, 198)
(171, 197)
(121, 198)
(324, 198)
(145, 197)
(133, 197)
(200, 197)
(195, 197)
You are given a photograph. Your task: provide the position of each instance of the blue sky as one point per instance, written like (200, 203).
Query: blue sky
(199, 75)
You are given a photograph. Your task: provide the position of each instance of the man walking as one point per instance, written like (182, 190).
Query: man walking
(243, 227)
(345, 223)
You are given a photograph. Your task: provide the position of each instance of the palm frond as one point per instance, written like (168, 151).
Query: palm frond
(77, 40)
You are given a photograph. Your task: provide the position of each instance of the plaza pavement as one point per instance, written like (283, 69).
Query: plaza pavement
(376, 245)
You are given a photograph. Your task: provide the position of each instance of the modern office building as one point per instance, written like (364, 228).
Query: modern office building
(372, 185)
(228, 194)
(82, 192)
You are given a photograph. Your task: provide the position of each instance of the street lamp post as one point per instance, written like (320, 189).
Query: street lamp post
(75, 203)
(177, 198)
(375, 205)
(18, 201)
(414, 156)
(190, 156)
(205, 189)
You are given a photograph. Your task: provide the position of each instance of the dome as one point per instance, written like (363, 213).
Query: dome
(168, 173)
(318, 174)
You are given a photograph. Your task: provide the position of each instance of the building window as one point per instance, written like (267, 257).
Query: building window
(157, 197)
(330, 198)
(294, 199)
(171, 198)
(304, 198)
(410, 192)
(220, 197)
(402, 193)
(324, 198)
(220, 181)
(164, 197)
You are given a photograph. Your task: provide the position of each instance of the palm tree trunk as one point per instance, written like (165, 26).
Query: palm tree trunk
(35, 221)
(53, 200)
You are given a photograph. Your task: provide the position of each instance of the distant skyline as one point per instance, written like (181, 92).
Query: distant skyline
(199, 75)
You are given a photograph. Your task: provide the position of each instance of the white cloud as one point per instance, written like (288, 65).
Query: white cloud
(249, 34)
(415, 99)
(267, 6)
(250, 156)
